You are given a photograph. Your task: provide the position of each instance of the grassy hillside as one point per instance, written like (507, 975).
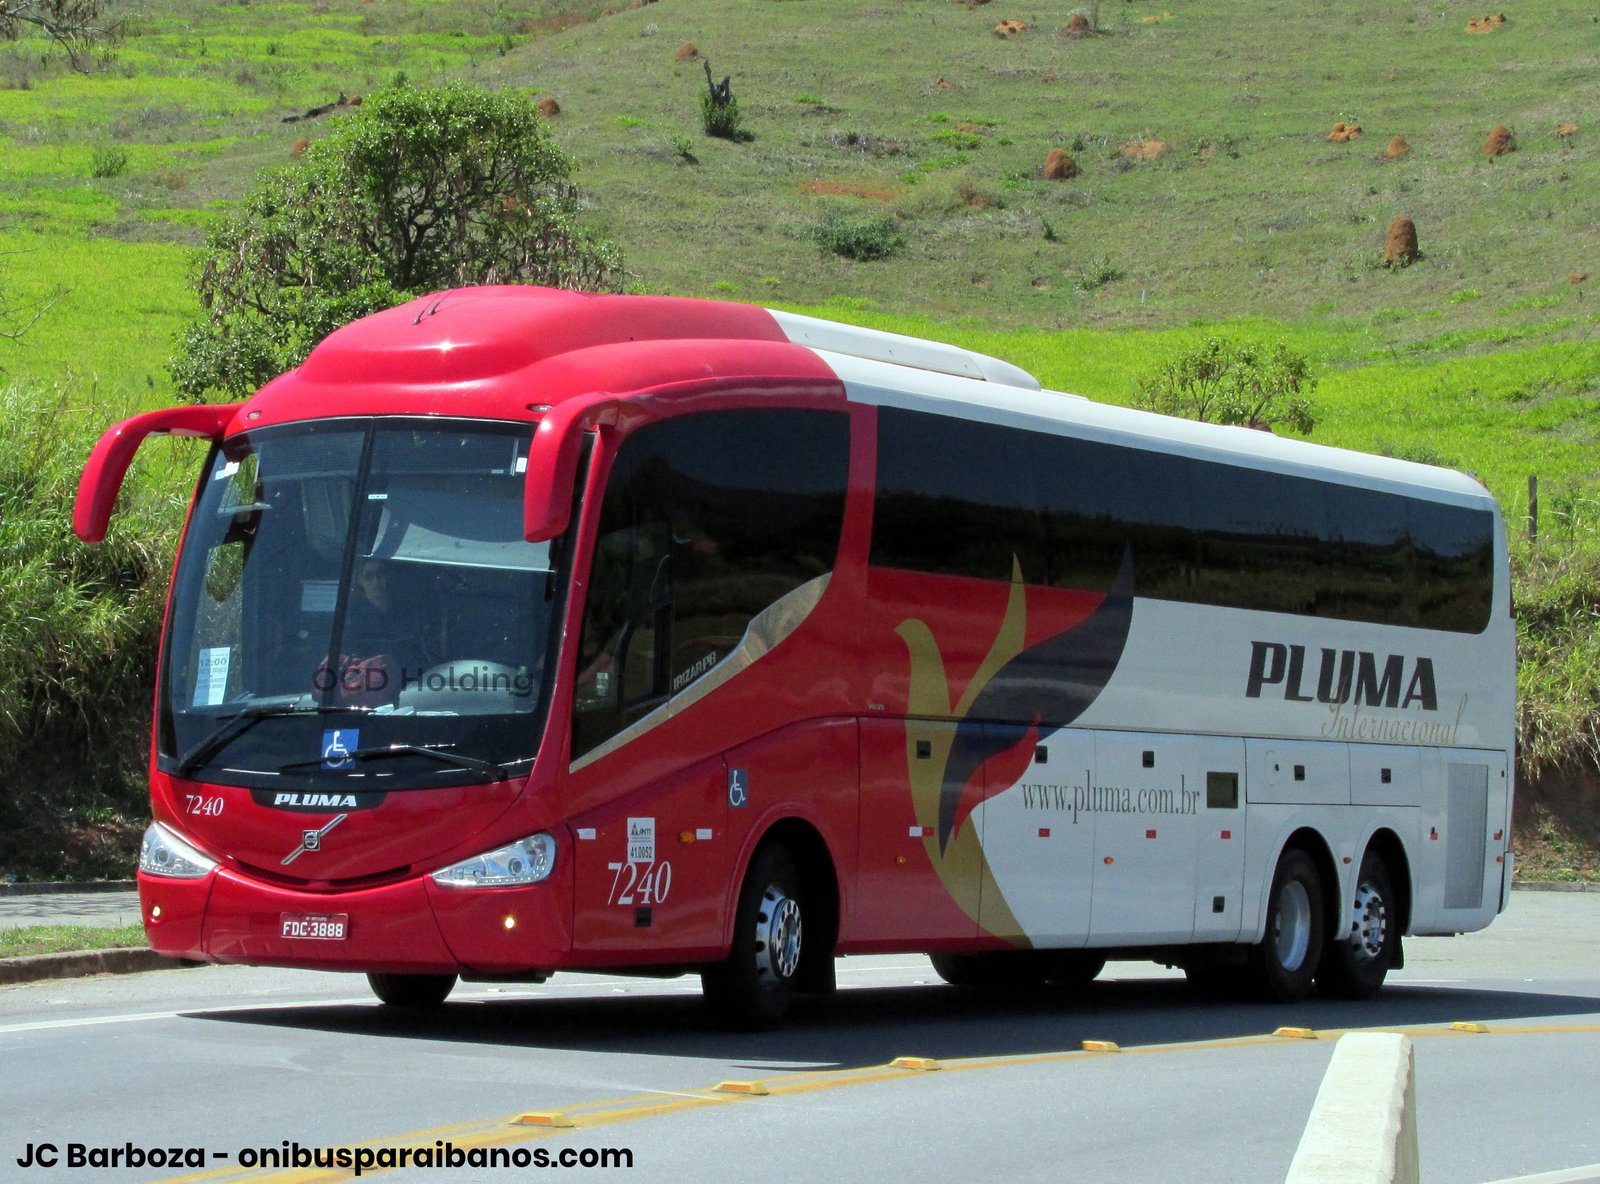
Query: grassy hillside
(1208, 198)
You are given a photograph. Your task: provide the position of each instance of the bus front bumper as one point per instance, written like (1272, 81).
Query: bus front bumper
(411, 927)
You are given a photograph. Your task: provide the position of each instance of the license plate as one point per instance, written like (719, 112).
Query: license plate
(315, 926)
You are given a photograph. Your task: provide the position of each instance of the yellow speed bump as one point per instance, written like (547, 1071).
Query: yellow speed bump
(920, 1064)
(1296, 1033)
(1467, 1026)
(550, 1118)
(1101, 1046)
(750, 1089)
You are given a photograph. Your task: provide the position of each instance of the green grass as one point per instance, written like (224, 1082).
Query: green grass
(64, 939)
(1482, 355)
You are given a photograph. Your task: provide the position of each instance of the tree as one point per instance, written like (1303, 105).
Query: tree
(75, 25)
(419, 189)
(1235, 382)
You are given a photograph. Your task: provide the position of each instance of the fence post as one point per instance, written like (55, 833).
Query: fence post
(1533, 507)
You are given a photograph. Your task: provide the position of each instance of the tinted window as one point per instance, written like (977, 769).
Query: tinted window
(963, 498)
(707, 520)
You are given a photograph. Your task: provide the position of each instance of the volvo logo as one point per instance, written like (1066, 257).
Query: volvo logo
(311, 840)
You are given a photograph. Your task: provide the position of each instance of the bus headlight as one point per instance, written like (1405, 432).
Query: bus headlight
(527, 861)
(162, 853)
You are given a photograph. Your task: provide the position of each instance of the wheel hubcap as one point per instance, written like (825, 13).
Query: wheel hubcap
(1370, 927)
(1292, 936)
(777, 935)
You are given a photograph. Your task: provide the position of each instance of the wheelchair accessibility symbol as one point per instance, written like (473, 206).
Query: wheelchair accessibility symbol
(738, 788)
(337, 745)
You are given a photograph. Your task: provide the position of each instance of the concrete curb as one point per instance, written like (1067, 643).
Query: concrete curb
(1363, 1125)
(57, 887)
(39, 967)
(1554, 886)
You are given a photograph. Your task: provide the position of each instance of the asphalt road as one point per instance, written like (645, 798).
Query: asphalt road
(227, 1060)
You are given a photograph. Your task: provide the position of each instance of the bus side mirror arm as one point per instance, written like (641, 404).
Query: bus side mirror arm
(108, 462)
(553, 462)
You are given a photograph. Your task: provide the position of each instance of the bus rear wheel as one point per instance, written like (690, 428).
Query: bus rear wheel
(754, 988)
(412, 990)
(1360, 955)
(1283, 965)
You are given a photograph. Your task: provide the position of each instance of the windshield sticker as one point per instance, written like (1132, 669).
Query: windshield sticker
(211, 679)
(318, 596)
(641, 840)
(337, 745)
(226, 470)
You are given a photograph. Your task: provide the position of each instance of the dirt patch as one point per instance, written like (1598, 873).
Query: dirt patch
(1049, 77)
(1500, 141)
(1400, 249)
(1009, 28)
(1486, 24)
(1145, 149)
(1577, 277)
(687, 52)
(1078, 26)
(970, 195)
(1155, 18)
(871, 190)
(1398, 146)
(1059, 165)
(1342, 133)
(549, 108)
(1565, 130)
(941, 84)
(1555, 826)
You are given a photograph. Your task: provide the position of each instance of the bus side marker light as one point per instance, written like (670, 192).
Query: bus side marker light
(1347, 859)
(1433, 834)
(155, 912)
(1149, 834)
(1044, 832)
(920, 1064)
(900, 861)
(510, 922)
(1227, 834)
(1101, 1046)
(1109, 860)
(1467, 1026)
(686, 837)
(750, 1089)
(1498, 835)
(1296, 1033)
(550, 1118)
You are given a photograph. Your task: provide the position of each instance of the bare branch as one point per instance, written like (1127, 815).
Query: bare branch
(77, 26)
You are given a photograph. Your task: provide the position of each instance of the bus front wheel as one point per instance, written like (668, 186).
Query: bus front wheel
(1284, 964)
(412, 990)
(755, 986)
(1360, 955)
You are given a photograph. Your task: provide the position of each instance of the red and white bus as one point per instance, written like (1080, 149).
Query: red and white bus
(522, 630)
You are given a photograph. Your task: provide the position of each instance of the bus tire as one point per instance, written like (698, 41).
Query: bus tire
(1073, 970)
(1283, 965)
(412, 990)
(1360, 955)
(754, 987)
(999, 970)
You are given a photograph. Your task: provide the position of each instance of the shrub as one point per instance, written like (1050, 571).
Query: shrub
(1235, 382)
(721, 120)
(419, 189)
(862, 240)
(108, 162)
(80, 626)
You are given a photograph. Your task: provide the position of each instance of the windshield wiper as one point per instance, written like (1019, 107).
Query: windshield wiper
(236, 725)
(489, 768)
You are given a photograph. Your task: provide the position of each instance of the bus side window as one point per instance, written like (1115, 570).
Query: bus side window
(708, 520)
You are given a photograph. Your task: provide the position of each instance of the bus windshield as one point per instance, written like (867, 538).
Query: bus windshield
(356, 605)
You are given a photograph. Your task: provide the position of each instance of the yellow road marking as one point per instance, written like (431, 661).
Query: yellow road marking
(507, 1129)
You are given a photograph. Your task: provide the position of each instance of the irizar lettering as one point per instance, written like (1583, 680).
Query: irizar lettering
(1357, 677)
